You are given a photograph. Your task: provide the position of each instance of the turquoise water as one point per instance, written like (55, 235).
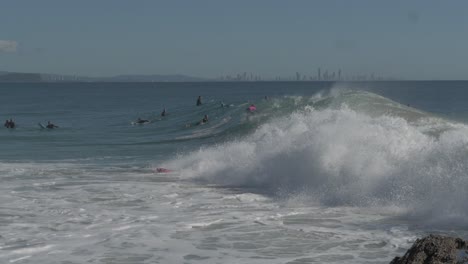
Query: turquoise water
(95, 118)
(322, 172)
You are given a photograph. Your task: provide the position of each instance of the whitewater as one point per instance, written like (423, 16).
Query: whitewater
(320, 173)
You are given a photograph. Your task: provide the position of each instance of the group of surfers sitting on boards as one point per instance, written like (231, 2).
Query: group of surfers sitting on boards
(11, 124)
(252, 108)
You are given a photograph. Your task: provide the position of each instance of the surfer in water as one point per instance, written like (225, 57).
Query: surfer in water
(141, 121)
(199, 102)
(223, 105)
(252, 108)
(10, 123)
(163, 113)
(50, 125)
(162, 170)
(205, 119)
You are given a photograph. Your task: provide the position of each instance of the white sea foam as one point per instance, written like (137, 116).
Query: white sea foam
(32, 250)
(348, 155)
(19, 259)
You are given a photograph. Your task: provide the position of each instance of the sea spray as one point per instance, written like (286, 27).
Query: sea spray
(348, 154)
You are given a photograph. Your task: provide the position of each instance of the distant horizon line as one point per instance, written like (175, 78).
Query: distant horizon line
(262, 81)
(176, 77)
(242, 76)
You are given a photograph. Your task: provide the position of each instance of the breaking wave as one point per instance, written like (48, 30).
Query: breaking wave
(347, 148)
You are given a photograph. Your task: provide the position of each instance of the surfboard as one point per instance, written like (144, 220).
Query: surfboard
(199, 123)
(252, 108)
(162, 171)
(41, 126)
(144, 123)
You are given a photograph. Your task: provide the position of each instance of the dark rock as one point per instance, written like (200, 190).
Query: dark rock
(435, 249)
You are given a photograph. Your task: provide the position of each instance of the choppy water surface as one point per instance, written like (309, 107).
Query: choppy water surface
(321, 173)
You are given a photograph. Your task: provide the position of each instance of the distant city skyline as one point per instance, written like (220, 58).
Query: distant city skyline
(271, 39)
(6, 76)
(327, 75)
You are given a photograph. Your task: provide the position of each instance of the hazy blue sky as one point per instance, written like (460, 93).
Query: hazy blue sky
(424, 39)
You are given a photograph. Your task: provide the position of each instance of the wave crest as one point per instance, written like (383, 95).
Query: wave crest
(346, 156)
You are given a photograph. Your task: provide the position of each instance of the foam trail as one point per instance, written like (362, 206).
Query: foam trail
(348, 154)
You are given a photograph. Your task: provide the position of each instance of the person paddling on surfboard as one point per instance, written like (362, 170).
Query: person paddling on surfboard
(50, 125)
(199, 102)
(203, 121)
(163, 170)
(141, 121)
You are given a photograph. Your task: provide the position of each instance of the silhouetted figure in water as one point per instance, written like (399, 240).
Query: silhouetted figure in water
(10, 123)
(205, 119)
(199, 102)
(50, 125)
(141, 121)
(163, 113)
(223, 105)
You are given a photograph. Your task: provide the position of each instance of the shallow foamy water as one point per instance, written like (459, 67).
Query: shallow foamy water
(149, 218)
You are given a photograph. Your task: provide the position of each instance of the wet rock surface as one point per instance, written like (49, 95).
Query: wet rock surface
(435, 249)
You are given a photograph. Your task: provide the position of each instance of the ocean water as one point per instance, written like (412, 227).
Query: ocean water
(322, 172)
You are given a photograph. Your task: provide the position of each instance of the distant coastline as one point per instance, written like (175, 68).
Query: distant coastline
(39, 77)
(22, 77)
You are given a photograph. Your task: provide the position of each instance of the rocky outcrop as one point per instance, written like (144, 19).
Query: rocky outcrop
(435, 249)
